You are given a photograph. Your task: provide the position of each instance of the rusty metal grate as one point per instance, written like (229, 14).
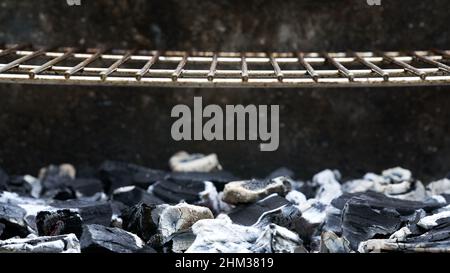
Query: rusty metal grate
(23, 64)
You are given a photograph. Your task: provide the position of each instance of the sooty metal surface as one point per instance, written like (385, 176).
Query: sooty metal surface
(100, 66)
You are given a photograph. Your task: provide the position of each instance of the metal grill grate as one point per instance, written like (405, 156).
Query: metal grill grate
(22, 64)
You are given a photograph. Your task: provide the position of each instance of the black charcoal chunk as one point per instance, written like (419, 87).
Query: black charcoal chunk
(97, 238)
(133, 195)
(175, 191)
(55, 181)
(361, 222)
(86, 186)
(91, 212)
(276, 239)
(248, 215)
(52, 244)
(118, 174)
(141, 220)
(12, 218)
(249, 191)
(19, 185)
(218, 178)
(53, 223)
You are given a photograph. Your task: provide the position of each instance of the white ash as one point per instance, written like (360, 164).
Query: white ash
(439, 187)
(184, 162)
(313, 211)
(296, 197)
(329, 187)
(52, 244)
(276, 239)
(431, 221)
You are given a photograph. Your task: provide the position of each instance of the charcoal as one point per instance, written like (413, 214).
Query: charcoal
(97, 238)
(331, 243)
(91, 212)
(248, 215)
(220, 235)
(19, 185)
(180, 218)
(218, 178)
(429, 222)
(276, 239)
(296, 197)
(133, 195)
(141, 220)
(184, 162)
(180, 242)
(118, 174)
(283, 171)
(12, 218)
(249, 191)
(52, 244)
(53, 223)
(396, 182)
(361, 222)
(55, 181)
(439, 187)
(329, 187)
(86, 186)
(2, 228)
(175, 191)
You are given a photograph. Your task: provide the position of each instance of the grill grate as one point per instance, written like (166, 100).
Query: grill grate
(23, 64)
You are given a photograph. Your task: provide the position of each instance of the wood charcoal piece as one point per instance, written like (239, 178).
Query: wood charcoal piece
(249, 191)
(118, 174)
(438, 187)
(56, 178)
(3, 179)
(218, 178)
(296, 197)
(361, 222)
(132, 195)
(331, 243)
(276, 239)
(97, 238)
(180, 242)
(53, 223)
(141, 220)
(12, 218)
(175, 191)
(184, 162)
(19, 185)
(180, 218)
(91, 212)
(248, 215)
(431, 221)
(86, 186)
(52, 244)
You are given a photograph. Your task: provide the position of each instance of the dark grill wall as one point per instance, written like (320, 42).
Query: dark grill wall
(354, 130)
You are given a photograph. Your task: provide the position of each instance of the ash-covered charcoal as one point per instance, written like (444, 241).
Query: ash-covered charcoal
(431, 221)
(296, 197)
(220, 235)
(241, 192)
(53, 223)
(55, 181)
(276, 239)
(98, 238)
(218, 178)
(132, 195)
(395, 182)
(438, 187)
(118, 174)
(142, 220)
(180, 218)
(52, 244)
(331, 243)
(329, 186)
(12, 218)
(248, 215)
(283, 171)
(91, 212)
(184, 162)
